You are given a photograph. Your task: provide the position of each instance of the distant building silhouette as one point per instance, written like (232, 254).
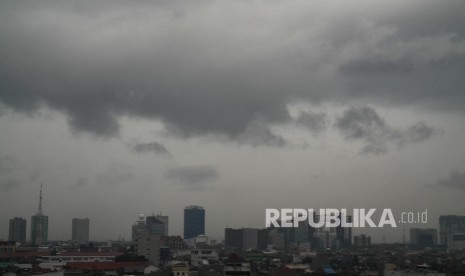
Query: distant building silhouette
(233, 238)
(173, 242)
(80, 230)
(450, 226)
(39, 225)
(148, 245)
(138, 227)
(362, 240)
(17, 230)
(423, 237)
(165, 220)
(245, 238)
(194, 221)
(155, 225)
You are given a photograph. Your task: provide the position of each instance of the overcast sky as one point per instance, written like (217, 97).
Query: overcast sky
(128, 107)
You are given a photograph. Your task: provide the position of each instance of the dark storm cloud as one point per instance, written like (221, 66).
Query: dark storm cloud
(315, 122)
(192, 177)
(456, 180)
(152, 147)
(364, 124)
(218, 68)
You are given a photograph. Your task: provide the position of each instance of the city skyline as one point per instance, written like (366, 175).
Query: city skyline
(402, 226)
(124, 108)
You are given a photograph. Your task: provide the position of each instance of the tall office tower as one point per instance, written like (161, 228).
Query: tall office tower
(233, 238)
(138, 227)
(423, 237)
(39, 225)
(244, 238)
(155, 226)
(448, 226)
(194, 221)
(300, 234)
(80, 231)
(344, 234)
(17, 231)
(165, 221)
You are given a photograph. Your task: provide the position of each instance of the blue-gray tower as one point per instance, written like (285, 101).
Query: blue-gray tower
(194, 221)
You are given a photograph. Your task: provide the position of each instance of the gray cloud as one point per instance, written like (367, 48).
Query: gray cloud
(315, 122)
(152, 147)
(456, 180)
(363, 123)
(9, 185)
(175, 63)
(8, 178)
(81, 182)
(192, 177)
(259, 134)
(420, 132)
(116, 174)
(7, 164)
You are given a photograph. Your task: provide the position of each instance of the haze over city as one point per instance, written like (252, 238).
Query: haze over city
(120, 108)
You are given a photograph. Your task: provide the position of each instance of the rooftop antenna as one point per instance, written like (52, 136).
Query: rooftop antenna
(40, 199)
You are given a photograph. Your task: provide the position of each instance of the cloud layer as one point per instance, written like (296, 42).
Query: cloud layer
(192, 177)
(219, 68)
(363, 123)
(151, 147)
(455, 180)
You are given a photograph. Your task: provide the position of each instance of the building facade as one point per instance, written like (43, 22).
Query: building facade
(17, 230)
(448, 226)
(138, 226)
(80, 230)
(362, 240)
(39, 229)
(155, 225)
(148, 245)
(165, 220)
(39, 225)
(423, 237)
(194, 221)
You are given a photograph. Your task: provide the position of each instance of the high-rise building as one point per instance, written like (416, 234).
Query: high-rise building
(448, 226)
(80, 230)
(194, 221)
(344, 234)
(138, 227)
(39, 225)
(424, 237)
(17, 229)
(233, 238)
(246, 238)
(165, 221)
(155, 225)
(250, 238)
